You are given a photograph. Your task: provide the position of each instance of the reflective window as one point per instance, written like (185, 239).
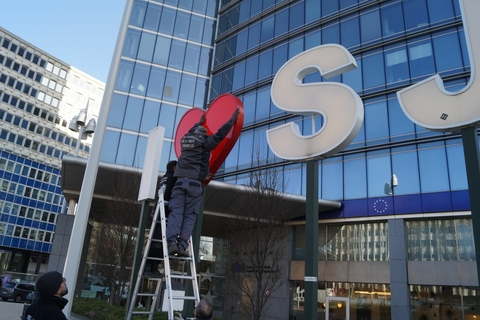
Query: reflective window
(127, 144)
(245, 155)
(378, 173)
(182, 24)
(396, 65)
(456, 167)
(254, 36)
(440, 10)
(124, 76)
(281, 25)
(448, 56)
(177, 54)
(152, 17)
(200, 92)
(331, 34)
(433, 167)
(332, 179)
(156, 83)
(373, 71)
(405, 168)
(400, 126)
(421, 58)
(196, 28)
(208, 30)
(140, 79)
(172, 86)
(415, 13)
(147, 44)
(238, 76)
(138, 13)
(355, 179)
(392, 19)
(130, 46)
(133, 114)
(350, 32)
(312, 10)
(187, 92)
(110, 145)
(251, 70)
(167, 21)
(166, 120)
(370, 26)
(162, 50)
(267, 29)
(151, 110)
(242, 39)
(297, 16)
(265, 64)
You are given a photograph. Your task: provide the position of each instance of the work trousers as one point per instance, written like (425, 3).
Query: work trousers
(184, 206)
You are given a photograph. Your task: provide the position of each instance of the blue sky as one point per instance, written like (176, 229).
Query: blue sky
(81, 33)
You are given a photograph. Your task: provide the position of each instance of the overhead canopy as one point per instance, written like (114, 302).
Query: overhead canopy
(220, 198)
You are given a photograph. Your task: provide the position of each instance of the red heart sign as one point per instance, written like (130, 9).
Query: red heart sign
(219, 112)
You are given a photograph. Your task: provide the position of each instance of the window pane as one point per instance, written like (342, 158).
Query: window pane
(379, 172)
(267, 29)
(297, 16)
(152, 17)
(172, 86)
(332, 180)
(373, 71)
(124, 76)
(397, 66)
(133, 114)
(370, 26)
(392, 19)
(405, 167)
(265, 64)
(456, 168)
(355, 179)
(254, 36)
(110, 145)
(415, 13)
(281, 25)
(448, 56)
(187, 92)
(177, 54)
(167, 20)
(162, 50)
(421, 59)
(131, 43)
(156, 83)
(127, 144)
(166, 120)
(140, 79)
(150, 114)
(196, 28)
(182, 24)
(350, 32)
(433, 169)
(147, 43)
(312, 10)
(440, 10)
(117, 110)
(192, 57)
(400, 126)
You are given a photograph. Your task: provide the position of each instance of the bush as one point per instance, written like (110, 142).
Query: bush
(97, 309)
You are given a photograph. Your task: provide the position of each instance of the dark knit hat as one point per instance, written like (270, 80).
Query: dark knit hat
(49, 283)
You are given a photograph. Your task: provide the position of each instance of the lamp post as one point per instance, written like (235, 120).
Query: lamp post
(77, 124)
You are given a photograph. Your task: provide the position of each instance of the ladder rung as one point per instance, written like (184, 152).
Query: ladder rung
(155, 258)
(146, 294)
(182, 277)
(184, 298)
(181, 258)
(156, 240)
(142, 312)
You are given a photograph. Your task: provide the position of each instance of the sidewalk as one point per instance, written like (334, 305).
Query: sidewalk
(13, 311)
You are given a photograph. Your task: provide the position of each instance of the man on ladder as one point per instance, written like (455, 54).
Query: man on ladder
(191, 172)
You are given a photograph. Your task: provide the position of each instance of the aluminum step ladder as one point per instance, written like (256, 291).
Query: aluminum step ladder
(171, 297)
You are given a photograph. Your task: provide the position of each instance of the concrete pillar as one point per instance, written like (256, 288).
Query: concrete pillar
(400, 291)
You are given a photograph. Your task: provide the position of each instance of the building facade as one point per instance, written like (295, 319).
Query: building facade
(401, 246)
(39, 95)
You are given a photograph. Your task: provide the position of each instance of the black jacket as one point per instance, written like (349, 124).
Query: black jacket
(169, 180)
(195, 151)
(49, 308)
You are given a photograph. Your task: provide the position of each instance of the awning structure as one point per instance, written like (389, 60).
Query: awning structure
(220, 197)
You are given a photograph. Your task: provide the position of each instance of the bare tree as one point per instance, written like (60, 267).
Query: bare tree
(119, 234)
(257, 241)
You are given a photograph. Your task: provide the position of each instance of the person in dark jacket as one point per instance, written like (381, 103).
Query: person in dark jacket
(51, 288)
(192, 170)
(156, 248)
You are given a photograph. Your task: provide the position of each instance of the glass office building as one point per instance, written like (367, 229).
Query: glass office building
(392, 251)
(39, 95)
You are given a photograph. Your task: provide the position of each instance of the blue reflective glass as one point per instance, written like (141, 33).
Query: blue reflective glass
(280, 56)
(263, 104)
(353, 78)
(124, 76)
(378, 173)
(244, 11)
(117, 110)
(140, 152)
(260, 145)
(238, 76)
(204, 61)
(185, 4)
(405, 167)
(125, 154)
(192, 58)
(208, 31)
(347, 3)
(130, 46)
(312, 10)
(151, 110)
(456, 168)
(332, 180)
(292, 180)
(140, 79)
(440, 10)
(355, 179)
(396, 65)
(265, 64)
(433, 168)
(181, 24)
(232, 159)
(156, 83)
(200, 6)
(331, 34)
(200, 93)
(167, 154)
(162, 50)
(147, 44)
(415, 14)
(187, 90)
(251, 70)
(421, 59)
(376, 122)
(167, 119)
(110, 145)
(138, 13)
(392, 19)
(253, 36)
(400, 126)
(350, 32)
(448, 56)
(281, 25)
(211, 8)
(152, 18)
(133, 114)
(329, 7)
(167, 21)
(242, 39)
(245, 155)
(177, 54)
(196, 28)
(295, 47)
(297, 16)
(312, 40)
(267, 29)
(172, 86)
(249, 108)
(373, 71)
(370, 26)
(255, 7)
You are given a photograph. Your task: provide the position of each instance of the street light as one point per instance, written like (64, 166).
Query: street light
(77, 124)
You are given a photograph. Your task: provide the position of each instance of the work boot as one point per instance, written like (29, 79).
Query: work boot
(181, 252)
(172, 249)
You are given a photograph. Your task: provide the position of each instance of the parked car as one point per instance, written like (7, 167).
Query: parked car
(17, 291)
